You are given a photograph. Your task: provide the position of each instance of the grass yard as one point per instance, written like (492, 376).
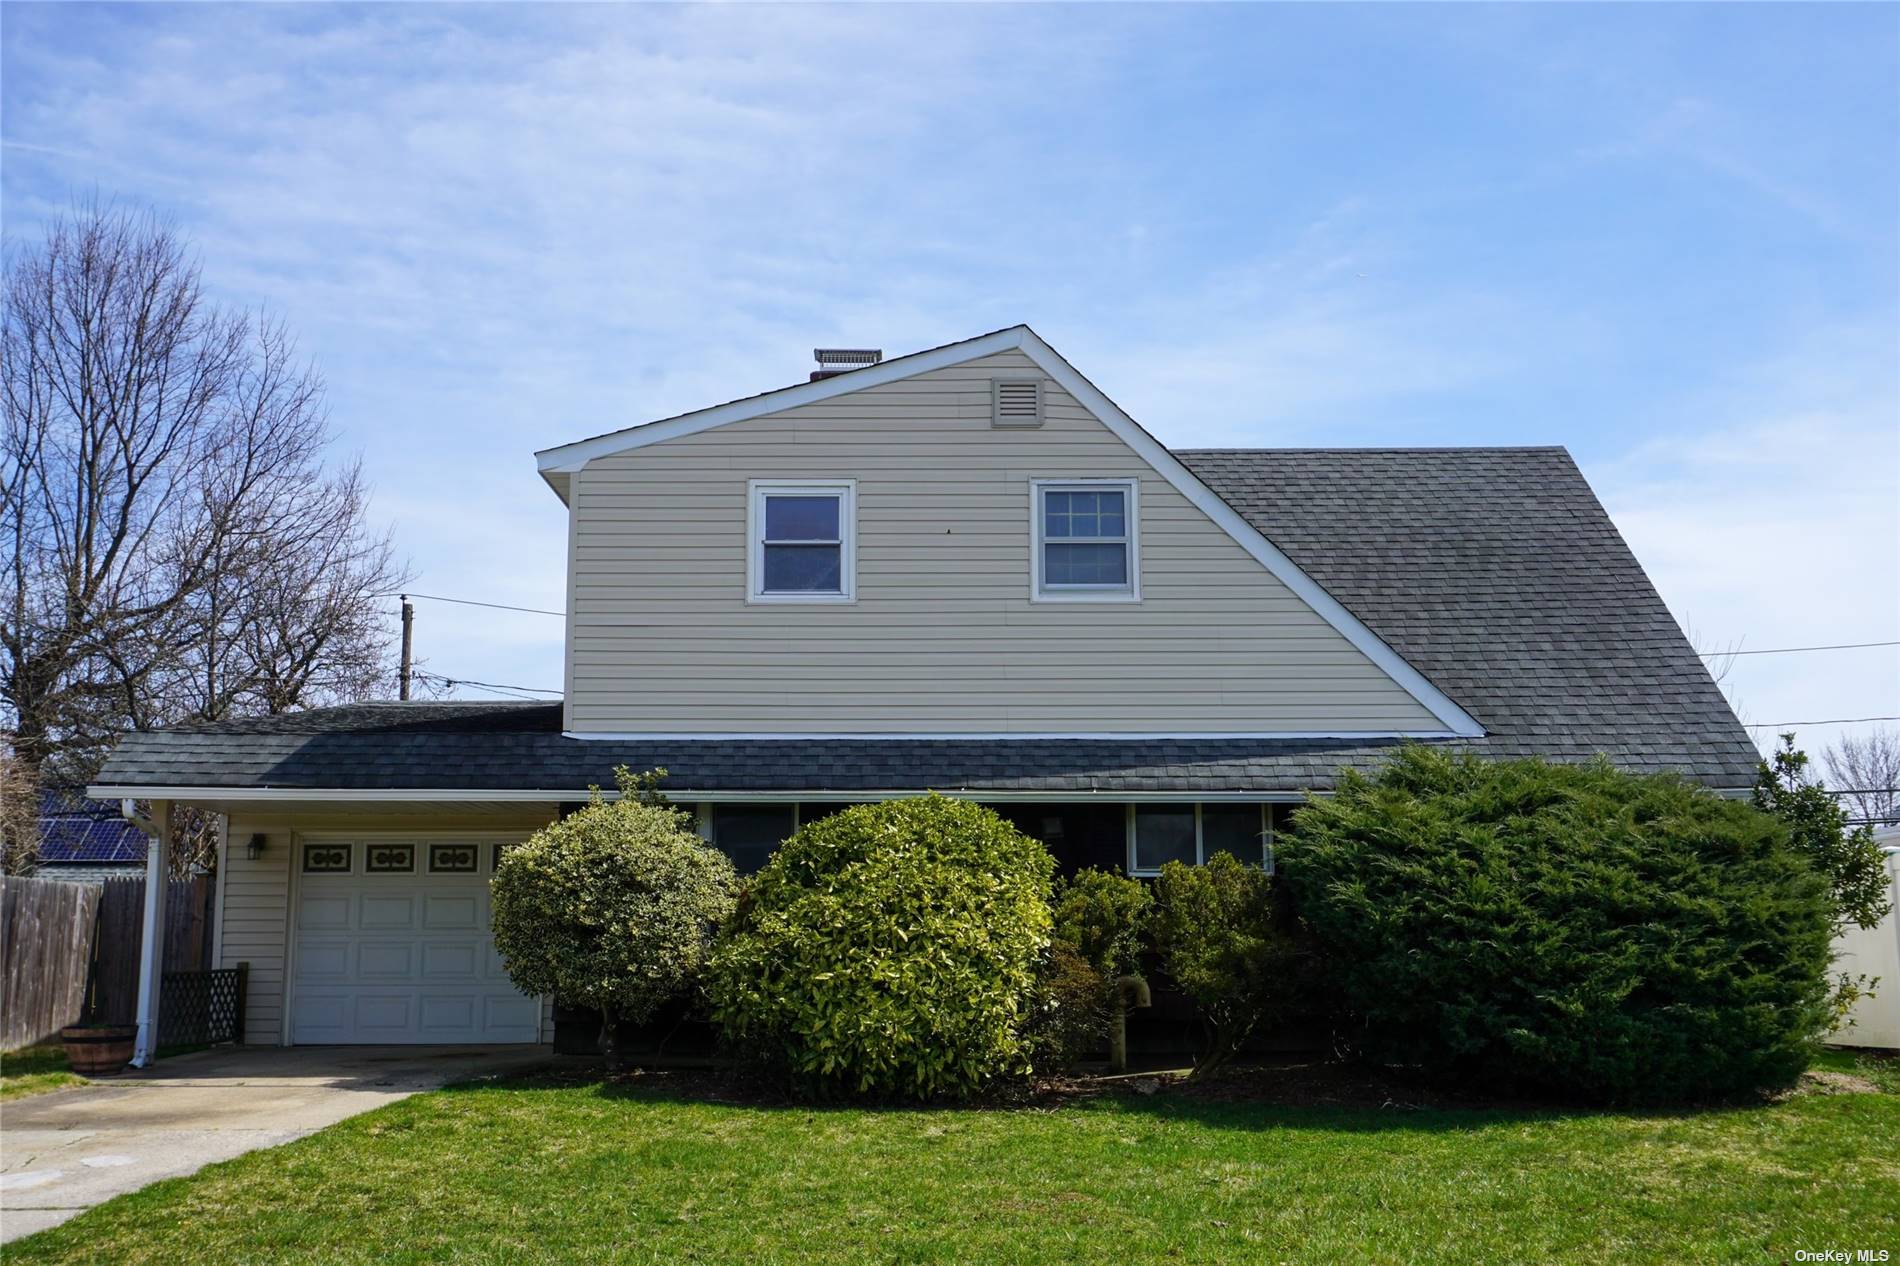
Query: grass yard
(35, 1070)
(571, 1170)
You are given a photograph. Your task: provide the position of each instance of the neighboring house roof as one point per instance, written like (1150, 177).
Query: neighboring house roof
(78, 831)
(1494, 571)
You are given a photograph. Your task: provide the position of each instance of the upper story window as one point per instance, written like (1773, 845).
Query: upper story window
(1086, 545)
(802, 541)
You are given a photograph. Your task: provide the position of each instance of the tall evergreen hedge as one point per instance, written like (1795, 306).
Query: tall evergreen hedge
(1565, 929)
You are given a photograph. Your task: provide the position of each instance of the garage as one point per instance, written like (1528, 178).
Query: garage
(391, 945)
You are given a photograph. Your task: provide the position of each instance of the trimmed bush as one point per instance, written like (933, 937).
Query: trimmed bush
(1069, 1014)
(1568, 929)
(889, 950)
(1104, 916)
(1219, 941)
(612, 908)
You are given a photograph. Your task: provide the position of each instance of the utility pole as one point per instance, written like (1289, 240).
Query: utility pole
(408, 631)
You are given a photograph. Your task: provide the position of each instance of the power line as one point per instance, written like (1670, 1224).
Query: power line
(1769, 725)
(470, 602)
(1790, 650)
(1773, 650)
(447, 680)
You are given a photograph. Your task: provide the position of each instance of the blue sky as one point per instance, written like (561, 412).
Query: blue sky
(1667, 237)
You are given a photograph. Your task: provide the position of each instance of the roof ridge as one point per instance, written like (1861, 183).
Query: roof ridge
(772, 391)
(1385, 448)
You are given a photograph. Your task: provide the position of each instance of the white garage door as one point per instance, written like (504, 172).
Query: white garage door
(392, 946)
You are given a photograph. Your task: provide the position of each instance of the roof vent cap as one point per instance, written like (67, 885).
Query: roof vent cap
(833, 361)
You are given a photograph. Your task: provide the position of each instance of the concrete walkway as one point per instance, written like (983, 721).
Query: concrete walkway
(62, 1153)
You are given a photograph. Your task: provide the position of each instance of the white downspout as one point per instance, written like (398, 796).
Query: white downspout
(152, 944)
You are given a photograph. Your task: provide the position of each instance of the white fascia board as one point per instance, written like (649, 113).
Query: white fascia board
(687, 795)
(568, 458)
(335, 795)
(1004, 736)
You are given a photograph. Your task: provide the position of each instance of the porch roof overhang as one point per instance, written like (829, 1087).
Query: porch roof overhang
(292, 801)
(496, 755)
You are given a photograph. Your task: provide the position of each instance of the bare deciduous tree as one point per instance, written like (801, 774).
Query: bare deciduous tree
(1867, 770)
(19, 813)
(177, 546)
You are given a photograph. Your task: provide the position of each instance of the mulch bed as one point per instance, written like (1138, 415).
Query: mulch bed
(1291, 1083)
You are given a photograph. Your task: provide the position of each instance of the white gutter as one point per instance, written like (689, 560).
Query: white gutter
(266, 795)
(152, 942)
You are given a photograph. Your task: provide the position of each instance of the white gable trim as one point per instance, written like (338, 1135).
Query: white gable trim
(555, 464)
(558, 463)
(1457, 721)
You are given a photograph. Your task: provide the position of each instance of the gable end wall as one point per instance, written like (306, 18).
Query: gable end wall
(943, 638)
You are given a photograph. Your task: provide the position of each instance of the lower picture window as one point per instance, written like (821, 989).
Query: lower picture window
(1192, 833)
(1163, 834)
(1239, 829)
(750, 833)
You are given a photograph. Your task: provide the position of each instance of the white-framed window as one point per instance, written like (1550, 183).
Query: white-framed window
(801, 540)
(1192, 833)
(1086, 540)
(749, 832)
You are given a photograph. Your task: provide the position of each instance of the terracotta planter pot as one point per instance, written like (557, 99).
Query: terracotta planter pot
(99, 1050)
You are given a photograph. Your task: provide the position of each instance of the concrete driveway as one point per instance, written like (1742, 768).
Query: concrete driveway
(64, 1152)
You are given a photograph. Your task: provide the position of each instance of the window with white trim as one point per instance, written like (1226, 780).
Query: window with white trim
(1192, 833)
(802, 541)
(749, 832)
(1086, 544)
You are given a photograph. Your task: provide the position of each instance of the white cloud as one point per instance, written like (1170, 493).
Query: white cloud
(499, 229)
(1773, 520)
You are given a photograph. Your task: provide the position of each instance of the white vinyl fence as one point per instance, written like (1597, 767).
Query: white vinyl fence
(1875, 951)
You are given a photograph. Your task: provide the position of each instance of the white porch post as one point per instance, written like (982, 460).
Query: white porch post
(152, 945)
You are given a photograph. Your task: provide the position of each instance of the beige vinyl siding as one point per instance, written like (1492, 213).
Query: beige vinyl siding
(943, 637)
(254, 896)
(254, 920)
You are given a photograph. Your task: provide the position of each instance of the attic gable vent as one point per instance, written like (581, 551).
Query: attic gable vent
(1017, 402)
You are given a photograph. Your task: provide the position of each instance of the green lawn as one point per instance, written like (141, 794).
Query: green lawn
(565, 1170)
(33, 1070)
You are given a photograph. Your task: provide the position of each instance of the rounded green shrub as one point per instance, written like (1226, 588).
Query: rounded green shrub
(1103, 914)
(1566, 929)
(1069, 1012)
(1219, 940)
(889, 950)
(612, 909)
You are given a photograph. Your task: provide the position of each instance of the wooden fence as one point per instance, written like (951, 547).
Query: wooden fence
(115, 983)
(71, 950)
(46, 942)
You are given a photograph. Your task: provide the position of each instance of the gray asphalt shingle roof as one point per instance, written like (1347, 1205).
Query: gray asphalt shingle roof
(1497, 574)
(1494, 572)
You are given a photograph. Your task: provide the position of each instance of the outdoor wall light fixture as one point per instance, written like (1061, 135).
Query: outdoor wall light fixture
(254, 849)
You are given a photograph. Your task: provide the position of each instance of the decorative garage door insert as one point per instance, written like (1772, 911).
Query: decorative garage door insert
(393, 946)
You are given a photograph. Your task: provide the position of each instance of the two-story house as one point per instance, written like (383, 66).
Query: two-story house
(964, 570)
